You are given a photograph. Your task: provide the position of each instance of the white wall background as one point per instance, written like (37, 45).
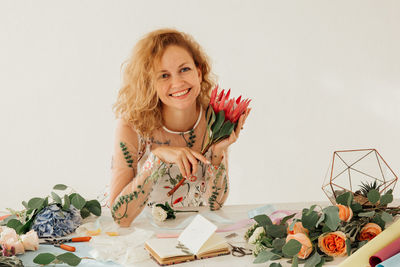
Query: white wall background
(323, 75)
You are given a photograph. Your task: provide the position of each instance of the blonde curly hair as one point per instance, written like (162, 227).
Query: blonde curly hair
(138, 102)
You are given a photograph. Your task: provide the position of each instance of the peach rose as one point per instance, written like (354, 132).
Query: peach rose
(369, 231)
(333, 243)
(306, 245)
(30, 240)
(345, 213)
(298, 228)
(19, 247)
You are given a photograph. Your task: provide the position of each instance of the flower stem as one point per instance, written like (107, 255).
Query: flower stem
(186, 211)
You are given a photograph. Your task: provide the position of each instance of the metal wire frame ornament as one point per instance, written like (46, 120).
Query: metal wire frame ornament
(351, 168)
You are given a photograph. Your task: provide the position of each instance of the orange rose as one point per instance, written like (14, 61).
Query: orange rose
(345, 213)
(298, 228)
(333, 243)
(369, 231)
(306, 245)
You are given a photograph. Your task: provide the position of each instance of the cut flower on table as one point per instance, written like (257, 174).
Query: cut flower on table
(320, 234)
(162, 212)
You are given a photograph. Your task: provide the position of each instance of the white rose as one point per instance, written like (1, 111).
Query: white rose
(159, 213)
(256, 235)
(7, 233)
(30, 240)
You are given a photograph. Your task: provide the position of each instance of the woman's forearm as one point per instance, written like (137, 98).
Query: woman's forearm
(133, 198)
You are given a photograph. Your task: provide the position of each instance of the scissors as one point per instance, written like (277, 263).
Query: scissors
(60, 242)
(240, 251)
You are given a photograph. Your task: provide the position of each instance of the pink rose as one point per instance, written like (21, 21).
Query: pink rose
(9, 239)
(30, 240)
(7, 233)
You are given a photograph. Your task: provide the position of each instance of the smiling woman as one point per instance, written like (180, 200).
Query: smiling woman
(161, 123)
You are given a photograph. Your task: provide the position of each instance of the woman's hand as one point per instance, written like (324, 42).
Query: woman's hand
(184, 157)
(218, 148)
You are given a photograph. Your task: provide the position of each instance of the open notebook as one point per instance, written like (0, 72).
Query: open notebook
(197, 241)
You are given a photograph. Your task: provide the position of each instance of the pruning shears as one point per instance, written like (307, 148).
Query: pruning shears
(60, 242)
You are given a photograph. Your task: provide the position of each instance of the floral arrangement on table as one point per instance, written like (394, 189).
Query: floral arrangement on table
(317, 235)
(162, 212)
(222, 117)
(52, 216)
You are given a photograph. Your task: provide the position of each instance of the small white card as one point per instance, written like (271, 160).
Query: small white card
(197, 233)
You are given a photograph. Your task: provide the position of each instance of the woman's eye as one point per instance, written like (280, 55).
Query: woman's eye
(185, 69)
(164, 75)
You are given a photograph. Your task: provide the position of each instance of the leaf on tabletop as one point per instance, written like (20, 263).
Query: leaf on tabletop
(309, 219)
(276, 230)
(321, 263)
(386, 199)
(60, 187)
(278, 243)
(332, 220)
(14, 223)
(265, 256)
(56, 197)
(313, 260)
(373, 196)
(345, 199)
(386, 217)
(275, 264)
(35, 203)
(291, 248)
(44, 258)
(263, 220)
(69, 258)
(78, 201)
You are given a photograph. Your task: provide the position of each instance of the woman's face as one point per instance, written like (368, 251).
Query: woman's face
(177, 78)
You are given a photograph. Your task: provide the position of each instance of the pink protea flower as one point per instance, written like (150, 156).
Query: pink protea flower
(232, 108)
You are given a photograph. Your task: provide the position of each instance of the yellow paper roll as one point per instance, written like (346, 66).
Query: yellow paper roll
(361, 257)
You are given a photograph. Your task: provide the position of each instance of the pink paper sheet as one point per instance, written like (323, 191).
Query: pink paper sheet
(385, 253)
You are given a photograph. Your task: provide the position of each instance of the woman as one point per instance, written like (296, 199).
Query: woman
(161, 105)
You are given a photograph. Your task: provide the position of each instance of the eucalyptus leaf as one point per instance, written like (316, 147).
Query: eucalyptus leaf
(263, 220)
(275, 264)
(285, 219)
(386, 199)
(278, 243)
(276, 230)
(386, 217)
(313, 260)
(60, 187)
(309, 219)
(265, 256)
(35, 203)
(25, 204)
(67, 203)
(321, 219)
(373, 196)
(94, 207)
(356, 207)
(321, 263)
(85, 213)
(345, 199)
(56, 197)
(14, 223)
(69, 258)
(368, 214)
(44, 258)
(379, 221)
(291, 248)
(332, 220)
(291, 226)
(78, 201)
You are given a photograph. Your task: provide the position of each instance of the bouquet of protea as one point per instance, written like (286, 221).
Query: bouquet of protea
(222, 116)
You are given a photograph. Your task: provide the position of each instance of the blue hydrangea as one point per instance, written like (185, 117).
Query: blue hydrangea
(52, 221)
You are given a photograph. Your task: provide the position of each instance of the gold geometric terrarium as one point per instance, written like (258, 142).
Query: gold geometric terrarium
(351, 169)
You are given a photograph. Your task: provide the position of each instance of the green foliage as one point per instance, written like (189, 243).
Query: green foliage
(373, 196)
(263, 220)
(291, 248)
(265, 256)
(366, 187)
(332, 220)
(22, 223)
(345, 199)
(47, 258)
(313, 260)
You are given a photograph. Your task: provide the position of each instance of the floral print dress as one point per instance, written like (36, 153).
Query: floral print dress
(139, 176)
